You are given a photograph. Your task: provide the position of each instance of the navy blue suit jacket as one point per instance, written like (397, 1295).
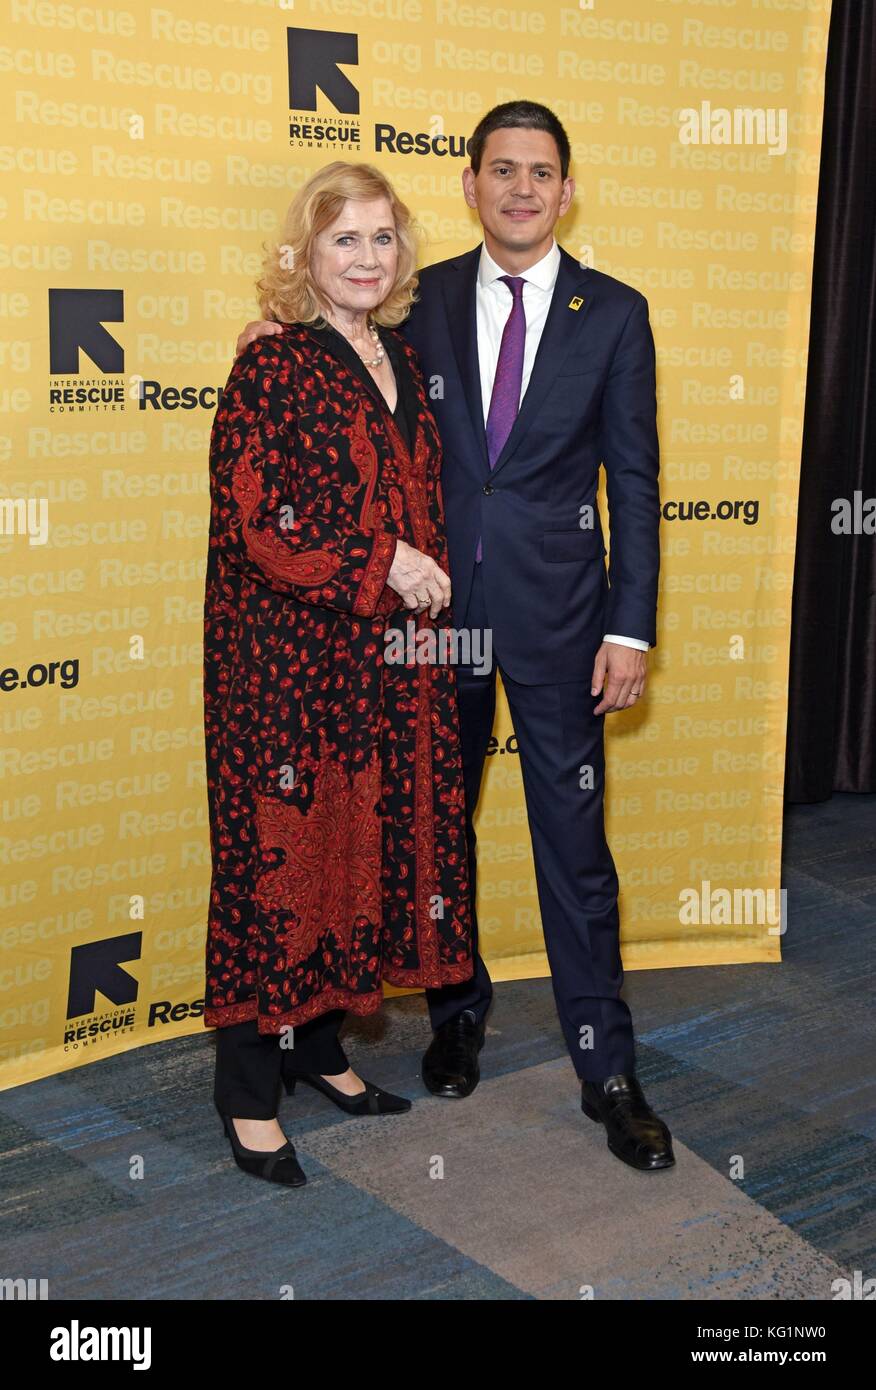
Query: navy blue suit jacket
(590, 400)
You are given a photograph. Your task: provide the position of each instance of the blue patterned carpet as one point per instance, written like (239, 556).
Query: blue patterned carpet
(765, 1074)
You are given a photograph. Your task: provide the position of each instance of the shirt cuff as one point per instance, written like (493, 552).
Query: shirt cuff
(636, 642)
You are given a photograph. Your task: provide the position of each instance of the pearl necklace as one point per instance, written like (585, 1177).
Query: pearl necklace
(375, 338)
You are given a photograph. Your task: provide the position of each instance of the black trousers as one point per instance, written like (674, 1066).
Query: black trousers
(250, 1065)
(558, 735)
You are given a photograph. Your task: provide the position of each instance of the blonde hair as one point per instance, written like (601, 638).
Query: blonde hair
(287, 290)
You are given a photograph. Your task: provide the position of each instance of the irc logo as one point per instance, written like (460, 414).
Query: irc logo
(314, 59)
(96, 969)
(76, 325)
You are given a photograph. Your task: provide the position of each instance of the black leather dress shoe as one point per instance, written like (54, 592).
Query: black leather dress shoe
(450, 1062)
(635, 1134)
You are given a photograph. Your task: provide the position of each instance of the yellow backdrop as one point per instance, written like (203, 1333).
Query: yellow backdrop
(152, 150)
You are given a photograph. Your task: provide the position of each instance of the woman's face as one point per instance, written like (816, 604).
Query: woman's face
(354, 260)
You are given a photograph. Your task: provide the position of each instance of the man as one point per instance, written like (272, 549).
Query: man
(544, 370)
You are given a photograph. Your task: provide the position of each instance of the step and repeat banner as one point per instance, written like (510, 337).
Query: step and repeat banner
(148, 152)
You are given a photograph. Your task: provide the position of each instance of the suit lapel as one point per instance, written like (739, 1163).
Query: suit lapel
(460, 299)
(562, 330)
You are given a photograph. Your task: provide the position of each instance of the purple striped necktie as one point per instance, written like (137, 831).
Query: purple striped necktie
(505, 398)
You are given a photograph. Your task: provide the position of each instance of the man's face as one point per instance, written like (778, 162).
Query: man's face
(519, 192)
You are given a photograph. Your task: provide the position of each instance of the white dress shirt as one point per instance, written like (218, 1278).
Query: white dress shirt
(493, 307)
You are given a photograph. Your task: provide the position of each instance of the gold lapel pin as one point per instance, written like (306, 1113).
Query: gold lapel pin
(575, 302)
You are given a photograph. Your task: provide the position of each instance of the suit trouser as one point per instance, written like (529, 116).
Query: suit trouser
(250, 1065)
(562, 761)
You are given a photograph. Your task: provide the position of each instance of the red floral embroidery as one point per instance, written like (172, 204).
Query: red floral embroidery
(374, 584)
(331, 874)
(266, 548)
(364, 455)
(396, 505)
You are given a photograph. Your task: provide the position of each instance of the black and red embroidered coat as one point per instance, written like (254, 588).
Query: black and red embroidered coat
(334, 778)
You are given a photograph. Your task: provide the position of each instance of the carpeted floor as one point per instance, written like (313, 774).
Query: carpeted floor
(766, 1069)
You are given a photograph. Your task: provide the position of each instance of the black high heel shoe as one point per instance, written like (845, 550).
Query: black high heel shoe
(371, 1101)
(281, 1165)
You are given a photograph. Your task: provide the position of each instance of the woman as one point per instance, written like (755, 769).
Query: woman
(334, 777)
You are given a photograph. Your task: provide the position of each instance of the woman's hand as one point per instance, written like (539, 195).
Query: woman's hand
(259, 328)
(418, 580)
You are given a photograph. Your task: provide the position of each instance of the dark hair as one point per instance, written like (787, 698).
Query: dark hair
(529, 115)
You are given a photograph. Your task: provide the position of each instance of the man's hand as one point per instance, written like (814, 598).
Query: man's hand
(623, 672)
(260, 328)
(419, 581)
